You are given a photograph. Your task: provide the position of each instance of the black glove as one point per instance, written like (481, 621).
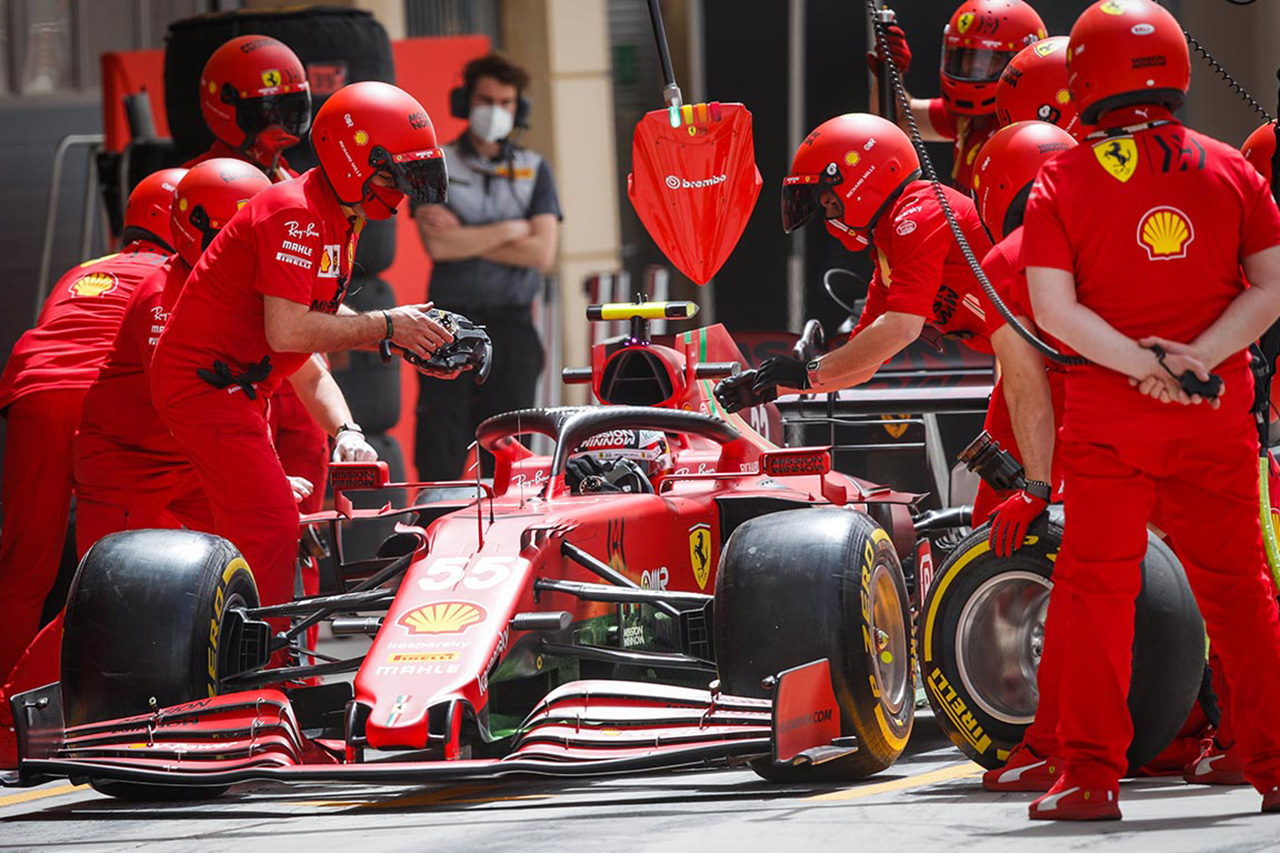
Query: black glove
(736, 393)
(579, 468)
(781, 370)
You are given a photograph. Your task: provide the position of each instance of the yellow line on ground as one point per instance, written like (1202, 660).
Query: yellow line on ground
(15, 799)
(958, 771)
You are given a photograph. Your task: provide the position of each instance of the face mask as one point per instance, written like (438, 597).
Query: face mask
(381, 202)
(491, 123)
(852, 240)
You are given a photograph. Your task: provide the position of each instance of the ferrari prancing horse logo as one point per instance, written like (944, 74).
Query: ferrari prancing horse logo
(964, 22)
(1118, 156)
(700, 553)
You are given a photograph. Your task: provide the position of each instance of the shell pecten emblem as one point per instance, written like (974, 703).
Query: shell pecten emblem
(445, 617)
(1165, 232)
(94, 284)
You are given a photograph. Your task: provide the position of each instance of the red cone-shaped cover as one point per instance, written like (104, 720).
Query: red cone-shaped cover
(694, 186)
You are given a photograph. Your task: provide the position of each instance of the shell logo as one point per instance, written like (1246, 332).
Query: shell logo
(851, 158)
(446, 617)
(94, 284)
(1063, 97)
(361, 138)
(1165, 232)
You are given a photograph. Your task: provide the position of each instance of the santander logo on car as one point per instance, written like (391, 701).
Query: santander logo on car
(675, 182)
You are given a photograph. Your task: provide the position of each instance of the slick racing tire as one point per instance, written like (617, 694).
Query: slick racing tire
(793, 587)
(144, 619)
(981, 633)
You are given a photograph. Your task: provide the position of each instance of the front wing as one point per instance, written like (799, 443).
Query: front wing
(585, 728)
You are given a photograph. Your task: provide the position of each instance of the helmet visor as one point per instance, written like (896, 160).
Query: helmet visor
(290, 111)
(974, 65)
(421, 175)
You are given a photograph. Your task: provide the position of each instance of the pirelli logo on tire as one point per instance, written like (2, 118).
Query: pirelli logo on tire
(215, 619)
(958, 711)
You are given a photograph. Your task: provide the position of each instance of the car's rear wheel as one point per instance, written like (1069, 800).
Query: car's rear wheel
(981, 634)
(805, 584)
(145, 622)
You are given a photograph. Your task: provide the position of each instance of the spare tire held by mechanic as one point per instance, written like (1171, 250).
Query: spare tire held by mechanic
(1148, 287)
(41, 395)
(267, 294)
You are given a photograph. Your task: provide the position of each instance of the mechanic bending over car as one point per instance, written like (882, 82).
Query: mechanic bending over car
(130, 473)
(861, 173)
(42, 395)
(267, 294)
(256, 101)
(490, 245)
(1184, 214)
(980, 39)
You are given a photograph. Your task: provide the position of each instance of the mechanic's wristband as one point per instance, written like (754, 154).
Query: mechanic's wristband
(1038, 489)
(391, 329)
(348, 427)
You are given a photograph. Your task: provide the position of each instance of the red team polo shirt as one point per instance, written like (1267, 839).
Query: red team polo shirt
(920, 269)
(119, 403)
(77, 324)
(969, 133)
(1153, 225)
(292, 240)
(1007, 272)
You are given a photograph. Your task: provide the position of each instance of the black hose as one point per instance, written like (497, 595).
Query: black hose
(660, 39)
(932, 176)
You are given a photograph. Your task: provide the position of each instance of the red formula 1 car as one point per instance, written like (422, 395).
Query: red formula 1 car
(534, 627)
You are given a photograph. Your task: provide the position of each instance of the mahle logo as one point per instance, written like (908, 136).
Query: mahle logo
(677, 183)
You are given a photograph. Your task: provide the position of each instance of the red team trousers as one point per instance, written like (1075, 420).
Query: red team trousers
(36, 495)
(227, 439)
(1208, 495)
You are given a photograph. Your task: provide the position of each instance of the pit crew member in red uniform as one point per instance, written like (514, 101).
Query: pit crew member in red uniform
(256, 101)
(1184, 215)
(1034, 87)
(41, 395)
(861, 173)
(980, 39)
(130, 473)
(265, 296)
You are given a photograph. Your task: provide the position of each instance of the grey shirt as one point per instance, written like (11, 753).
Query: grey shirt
(516, 185)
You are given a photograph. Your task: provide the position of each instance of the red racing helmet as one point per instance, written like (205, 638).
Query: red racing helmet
(147, 215)
(979, 41)
(1260, 148)
(370, 127)
(207, 197)
(864, 160)
(1033, 87)
(254, 91)
(1126, 52)
(648, 448)
(1007, 166)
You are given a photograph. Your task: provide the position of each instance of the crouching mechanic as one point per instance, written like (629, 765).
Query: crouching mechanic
(130, 473)
(861, 173)
(266, 295)
(1192, 215)
(979, 40)
(42, 394)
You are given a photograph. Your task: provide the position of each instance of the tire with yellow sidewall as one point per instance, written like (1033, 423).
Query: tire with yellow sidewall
(144, 619)
(805, 584)
(979, 642)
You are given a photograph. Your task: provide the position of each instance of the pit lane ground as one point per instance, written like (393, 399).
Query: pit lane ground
(930, 800)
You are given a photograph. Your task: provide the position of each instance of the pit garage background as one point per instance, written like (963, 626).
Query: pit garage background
(793, 62)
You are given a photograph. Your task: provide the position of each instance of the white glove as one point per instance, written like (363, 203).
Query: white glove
(350, 446)
(302, 488)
